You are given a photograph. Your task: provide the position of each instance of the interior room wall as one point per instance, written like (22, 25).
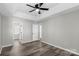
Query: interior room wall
(7, 22)
(62, 31)
(0, 34)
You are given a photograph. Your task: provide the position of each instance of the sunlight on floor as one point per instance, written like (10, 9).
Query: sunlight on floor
(17, 48)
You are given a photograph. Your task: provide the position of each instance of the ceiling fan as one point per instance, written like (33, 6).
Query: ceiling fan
(37, 8)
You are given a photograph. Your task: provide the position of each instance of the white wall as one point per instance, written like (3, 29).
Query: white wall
(7, 27)
(0, 34)
(62, 31)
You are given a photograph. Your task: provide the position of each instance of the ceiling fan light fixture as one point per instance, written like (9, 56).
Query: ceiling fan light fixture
(37, 10)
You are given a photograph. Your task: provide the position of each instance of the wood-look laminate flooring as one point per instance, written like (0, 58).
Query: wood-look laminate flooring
(35, 48)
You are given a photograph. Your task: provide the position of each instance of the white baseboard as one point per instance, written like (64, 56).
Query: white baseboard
(61, 48)
(6, 45)
(28, 41)
(22, 43)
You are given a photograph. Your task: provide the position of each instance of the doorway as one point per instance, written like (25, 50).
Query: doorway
(36, 32)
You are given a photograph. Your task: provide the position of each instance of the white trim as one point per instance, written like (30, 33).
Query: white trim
(28, 41)
(22, 43)
(6, 45)
(0, 50)
(62, 48)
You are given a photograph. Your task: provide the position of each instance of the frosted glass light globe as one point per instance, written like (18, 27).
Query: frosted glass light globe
(37, 10)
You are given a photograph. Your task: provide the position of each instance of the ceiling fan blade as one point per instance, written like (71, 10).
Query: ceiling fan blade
(39, 12)
(44, 8)
(36, 6)
(32, 10)
(40, 4)
(30, 6)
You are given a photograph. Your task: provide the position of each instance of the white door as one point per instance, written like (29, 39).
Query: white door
(35, 29)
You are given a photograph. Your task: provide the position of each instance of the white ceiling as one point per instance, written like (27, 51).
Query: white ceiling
(21, 10)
